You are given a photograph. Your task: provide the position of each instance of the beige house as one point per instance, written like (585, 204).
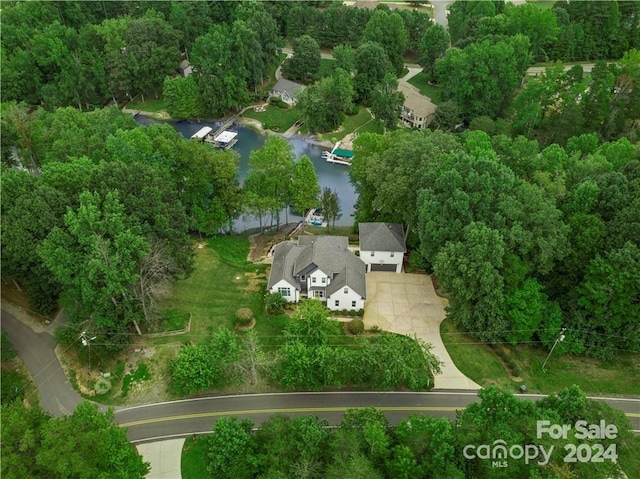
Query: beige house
(417, 110)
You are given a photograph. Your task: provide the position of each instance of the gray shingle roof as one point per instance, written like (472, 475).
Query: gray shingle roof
(287, 86)
(329, 253)
(352, 275)
(284, 256)
(382, 237)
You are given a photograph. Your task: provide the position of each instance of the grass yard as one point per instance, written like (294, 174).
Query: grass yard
(337, 231)
(362, 122)
(151, 103)
(595, 377)
(421, 82)
(194, 453)
(274, 118)
(222, 282)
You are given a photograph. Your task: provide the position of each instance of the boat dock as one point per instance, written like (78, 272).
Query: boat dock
(337, 155)
(202, 133)
(225, 140)
(220, 139)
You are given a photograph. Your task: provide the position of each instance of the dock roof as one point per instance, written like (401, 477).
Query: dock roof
(202, 132)
(226, 136)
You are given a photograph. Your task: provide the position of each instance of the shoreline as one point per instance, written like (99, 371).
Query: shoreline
(245, 121)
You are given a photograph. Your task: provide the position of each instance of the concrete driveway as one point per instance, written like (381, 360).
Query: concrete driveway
(408, 304)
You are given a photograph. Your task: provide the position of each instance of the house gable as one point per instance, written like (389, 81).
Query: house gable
(319, 266)
(382, 246)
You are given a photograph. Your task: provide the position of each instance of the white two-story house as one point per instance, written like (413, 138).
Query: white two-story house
(320, 267)
(382, 246)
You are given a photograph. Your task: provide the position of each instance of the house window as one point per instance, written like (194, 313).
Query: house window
(318, 294)
(324, 280)
(337, 302)
(373, 253)
(302, 278)
(392, 253)
(346, 290)
(284, 291)
(353, 304)
(313, 279)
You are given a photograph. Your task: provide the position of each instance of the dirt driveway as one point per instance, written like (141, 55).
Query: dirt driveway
(408, 304)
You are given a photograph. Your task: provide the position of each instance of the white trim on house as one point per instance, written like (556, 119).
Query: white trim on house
(281, 285)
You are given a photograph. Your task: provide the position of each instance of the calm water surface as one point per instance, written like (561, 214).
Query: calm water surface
(334, 176)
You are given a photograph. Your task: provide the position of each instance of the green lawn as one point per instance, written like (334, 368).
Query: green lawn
(151, 103)
(222, 282)
(420, 81)
(481, 363)
(362, 122)
(194, 454)
(274, 118)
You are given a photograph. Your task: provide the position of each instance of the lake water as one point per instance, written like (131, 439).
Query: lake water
(332, 175)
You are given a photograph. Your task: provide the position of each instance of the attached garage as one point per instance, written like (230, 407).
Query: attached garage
(383, 267)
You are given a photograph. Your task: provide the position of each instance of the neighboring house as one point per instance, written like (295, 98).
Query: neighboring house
(382, 246)
(186, 68)
(417, 110)
(286, 90)
(320, 267)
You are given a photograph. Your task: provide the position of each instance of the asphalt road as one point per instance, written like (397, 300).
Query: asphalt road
(530, 71)
(154, 422)
(57, 396)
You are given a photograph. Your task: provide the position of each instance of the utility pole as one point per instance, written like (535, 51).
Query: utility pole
(559, 339)
(86, 342)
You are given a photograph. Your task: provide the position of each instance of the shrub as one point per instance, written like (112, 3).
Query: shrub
(275, 101)
(361, 312)
(244, 316)
(6, 348)
(417, 261)
(352, 313)
(275, 303)
(356, 326)
(102, 386)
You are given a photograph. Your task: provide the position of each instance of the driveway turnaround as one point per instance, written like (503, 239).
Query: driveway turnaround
(165, 458)
(407, 304)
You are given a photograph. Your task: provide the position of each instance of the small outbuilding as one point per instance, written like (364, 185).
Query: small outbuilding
(382, 246)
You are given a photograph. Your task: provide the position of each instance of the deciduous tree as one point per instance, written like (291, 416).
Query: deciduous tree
(435, 42)
(305, 190)
(388, 30)
(387, 102)
(305, 62)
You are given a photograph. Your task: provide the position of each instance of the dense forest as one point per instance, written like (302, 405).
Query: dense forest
(526, 239)
(84, 54)
(365, 446)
